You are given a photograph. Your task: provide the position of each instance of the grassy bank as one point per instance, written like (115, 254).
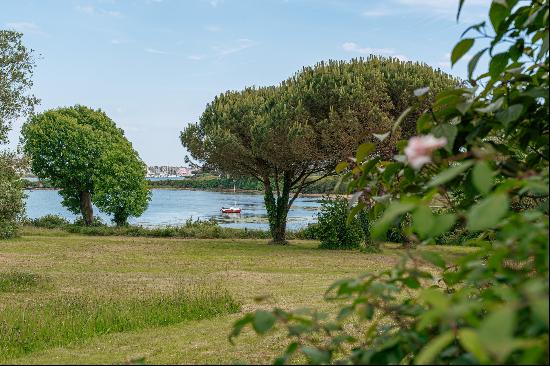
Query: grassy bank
(142, 277)
(198, 229)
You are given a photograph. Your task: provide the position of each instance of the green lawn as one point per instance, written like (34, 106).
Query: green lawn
(113, 272)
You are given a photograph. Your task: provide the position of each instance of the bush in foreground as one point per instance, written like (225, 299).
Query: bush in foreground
(490, 306)
(334, 229)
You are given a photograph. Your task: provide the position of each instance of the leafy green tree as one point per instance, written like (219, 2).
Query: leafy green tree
(12, 196)
(120, 187)
(72, 148)
(16, 70)
(284, 135)
(490, 142)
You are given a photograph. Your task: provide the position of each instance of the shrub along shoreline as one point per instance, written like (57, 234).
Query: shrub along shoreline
(333, 215)
(191, 229)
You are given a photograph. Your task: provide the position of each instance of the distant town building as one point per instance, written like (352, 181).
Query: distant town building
(165, 171)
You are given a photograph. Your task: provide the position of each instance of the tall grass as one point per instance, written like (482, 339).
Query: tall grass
(20, 281)
(70, 319)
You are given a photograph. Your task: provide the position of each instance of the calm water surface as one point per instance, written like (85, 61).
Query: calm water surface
(173, 207)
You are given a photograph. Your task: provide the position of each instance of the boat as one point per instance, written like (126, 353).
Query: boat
(232, 209)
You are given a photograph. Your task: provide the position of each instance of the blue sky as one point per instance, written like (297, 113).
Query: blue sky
(153, 65)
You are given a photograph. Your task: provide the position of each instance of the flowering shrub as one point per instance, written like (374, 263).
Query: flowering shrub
(420, 148)
(490, 306)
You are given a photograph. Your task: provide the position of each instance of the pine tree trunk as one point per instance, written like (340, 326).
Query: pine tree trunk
(86, 208)
(277, 210)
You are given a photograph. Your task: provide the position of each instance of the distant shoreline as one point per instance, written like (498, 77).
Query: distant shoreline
(222, 190)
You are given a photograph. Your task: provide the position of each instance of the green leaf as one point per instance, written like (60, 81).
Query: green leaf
(396, 209)
(424, 123)
(442, 224)
(450, 174)
(341, 166)
(540, 309)
(497, 13)
(411, 282)
(544, 47)
(460, 49)
(487, 213)
(364, 150)
(239, 325)
(469, 339)
(423, 220)
(428, 354)
(482, 177)
(464, 106)
(315, 355)
(473, 63)
(449, 132)
(354, 211)
(510, 114)
(498, 64)
(290, 350)
(390, 171)
(263, 321)
(536, 92)
(434, 259)
(435, 297)
(497, 330)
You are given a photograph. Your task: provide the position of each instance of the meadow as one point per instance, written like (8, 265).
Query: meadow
(69, 298)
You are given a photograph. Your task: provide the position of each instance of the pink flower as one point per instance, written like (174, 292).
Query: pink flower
(420, 148)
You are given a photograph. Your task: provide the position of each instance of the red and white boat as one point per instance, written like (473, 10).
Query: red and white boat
(231, 210)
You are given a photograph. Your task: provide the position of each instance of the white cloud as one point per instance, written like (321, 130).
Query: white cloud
(215, 3)
(442, 4)
(401, 57)
(155, 51)
(24, 27)
(90, 10)
(354, 47)
(375, 13)
(195, 57)
(111, 13)
(473, 10)
(117, 41)
(234, 47)
(86, 9)
(213, 28)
